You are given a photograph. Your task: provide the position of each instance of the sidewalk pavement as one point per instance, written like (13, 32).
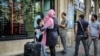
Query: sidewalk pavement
(71, 50)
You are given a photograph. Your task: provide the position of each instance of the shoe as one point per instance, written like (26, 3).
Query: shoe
(75, 55)
(63, 52)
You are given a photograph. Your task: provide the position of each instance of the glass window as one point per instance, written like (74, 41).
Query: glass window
(82, 1)
(17, 17)
(48, 4)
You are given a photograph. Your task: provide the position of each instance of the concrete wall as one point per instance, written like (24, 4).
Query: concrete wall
(13, 47)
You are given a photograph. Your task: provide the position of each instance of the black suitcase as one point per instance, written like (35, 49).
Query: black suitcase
(32, 49)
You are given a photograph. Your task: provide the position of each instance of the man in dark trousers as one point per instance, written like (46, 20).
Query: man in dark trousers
(81, 27)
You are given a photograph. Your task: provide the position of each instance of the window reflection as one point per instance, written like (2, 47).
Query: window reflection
(18, 18)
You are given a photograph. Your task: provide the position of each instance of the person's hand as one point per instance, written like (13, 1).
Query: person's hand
(42, 32)
(89, 38)
(97, 36)
(59, 25)
(36, 30)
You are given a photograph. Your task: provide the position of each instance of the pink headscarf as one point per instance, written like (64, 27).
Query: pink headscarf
(50, 14)
(48, 23)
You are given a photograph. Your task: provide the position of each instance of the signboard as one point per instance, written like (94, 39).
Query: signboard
(79, 5)
(70, 16)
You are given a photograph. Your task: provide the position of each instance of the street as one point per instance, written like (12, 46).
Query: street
(71, 50)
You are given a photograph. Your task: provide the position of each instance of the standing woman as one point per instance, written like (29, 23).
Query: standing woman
(50, 30)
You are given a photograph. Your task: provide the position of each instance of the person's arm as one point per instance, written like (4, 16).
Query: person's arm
(88, 30)
(63, 25)
(76, 28)
(99, 27)
(47, 24)
(98, 30)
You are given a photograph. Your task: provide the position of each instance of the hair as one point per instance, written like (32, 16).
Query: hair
(95, 16)
(64, 13)
(41, 14)
(81, 16)
(38, 21)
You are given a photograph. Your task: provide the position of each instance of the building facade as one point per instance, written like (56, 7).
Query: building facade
(14, 43)
(18, 28)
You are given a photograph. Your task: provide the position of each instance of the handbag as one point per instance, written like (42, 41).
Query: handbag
(85, 32)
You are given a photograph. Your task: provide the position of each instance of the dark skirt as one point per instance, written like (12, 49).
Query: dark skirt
(51, 38)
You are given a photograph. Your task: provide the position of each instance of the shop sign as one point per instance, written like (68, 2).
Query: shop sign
(79, 5)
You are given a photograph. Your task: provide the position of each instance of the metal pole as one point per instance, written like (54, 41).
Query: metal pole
(12, 14)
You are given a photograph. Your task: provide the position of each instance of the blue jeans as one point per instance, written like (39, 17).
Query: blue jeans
(78, 39)
(95, 41)
(43, 50)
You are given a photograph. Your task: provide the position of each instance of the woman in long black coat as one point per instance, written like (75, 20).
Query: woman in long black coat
(51, 28)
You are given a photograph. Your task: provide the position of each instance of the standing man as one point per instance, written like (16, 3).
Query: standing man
(94, 33)
(81, 23)
(63, 32)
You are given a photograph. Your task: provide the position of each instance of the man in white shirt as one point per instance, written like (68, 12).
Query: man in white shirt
(94, 27)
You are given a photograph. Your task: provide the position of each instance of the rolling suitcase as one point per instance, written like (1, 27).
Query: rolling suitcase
(32, 49)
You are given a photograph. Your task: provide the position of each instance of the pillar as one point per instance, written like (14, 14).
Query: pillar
(56, 8)
(96, 7)
(87, 9)
(62, 7)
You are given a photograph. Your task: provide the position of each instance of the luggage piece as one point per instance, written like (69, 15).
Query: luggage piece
(32, 49)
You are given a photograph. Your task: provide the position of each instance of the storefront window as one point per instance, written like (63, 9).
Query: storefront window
(17, 17)
(35, 8)
(82, 1)
(48, 4)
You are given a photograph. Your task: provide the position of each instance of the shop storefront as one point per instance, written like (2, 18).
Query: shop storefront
(16, 23)
(79, 8)
(17, 17)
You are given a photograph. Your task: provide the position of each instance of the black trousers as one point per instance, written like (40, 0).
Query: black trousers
(52, 50)
(78, 39)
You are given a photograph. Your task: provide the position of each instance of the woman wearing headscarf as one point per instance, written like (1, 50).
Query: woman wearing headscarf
(50, 30)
